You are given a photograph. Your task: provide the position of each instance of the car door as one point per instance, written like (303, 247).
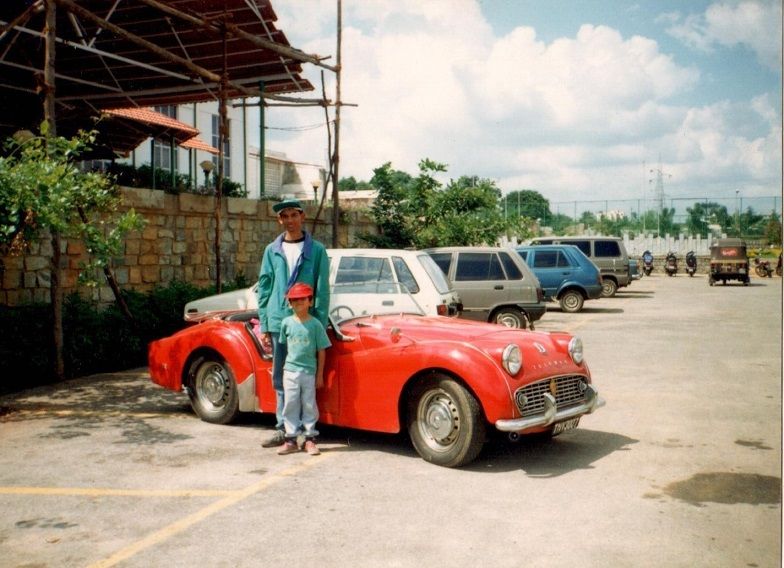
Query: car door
(480, 280)
(551, 268)
(608, 253)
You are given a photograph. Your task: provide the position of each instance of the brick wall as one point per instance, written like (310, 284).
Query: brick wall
(178, 243)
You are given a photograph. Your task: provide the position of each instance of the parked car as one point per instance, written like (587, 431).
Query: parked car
(494, 284)
(728, 261)
(392, 368)
(415, 269)
(608, 253)
(634, 269)
(565, 273)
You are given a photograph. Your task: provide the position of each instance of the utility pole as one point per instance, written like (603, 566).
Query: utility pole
(659, 192)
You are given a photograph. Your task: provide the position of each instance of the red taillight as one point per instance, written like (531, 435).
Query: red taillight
(442, 309)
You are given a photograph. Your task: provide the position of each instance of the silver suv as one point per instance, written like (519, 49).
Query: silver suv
(494, 284)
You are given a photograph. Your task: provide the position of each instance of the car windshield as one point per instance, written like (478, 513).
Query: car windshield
(350, 301)
(435, 273)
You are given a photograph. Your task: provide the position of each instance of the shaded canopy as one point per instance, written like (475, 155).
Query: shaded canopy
(140, 53)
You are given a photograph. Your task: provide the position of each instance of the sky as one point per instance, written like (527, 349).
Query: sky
(577, 100)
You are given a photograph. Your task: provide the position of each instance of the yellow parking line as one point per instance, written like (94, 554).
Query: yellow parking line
(101, 492)
(186, 522)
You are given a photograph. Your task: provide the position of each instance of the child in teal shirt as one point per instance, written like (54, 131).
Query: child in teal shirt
(303, 371)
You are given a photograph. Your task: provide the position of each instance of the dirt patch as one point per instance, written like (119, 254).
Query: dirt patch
(727, 488)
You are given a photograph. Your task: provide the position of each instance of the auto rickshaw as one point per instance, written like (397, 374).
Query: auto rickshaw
(729, 261)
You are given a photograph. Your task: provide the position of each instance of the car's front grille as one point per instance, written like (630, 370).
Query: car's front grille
(569, 390)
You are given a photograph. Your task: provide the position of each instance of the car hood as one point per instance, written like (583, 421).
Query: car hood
(426, 328)
(544, 353)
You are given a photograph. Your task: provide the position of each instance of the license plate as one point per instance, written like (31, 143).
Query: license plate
(565, 425)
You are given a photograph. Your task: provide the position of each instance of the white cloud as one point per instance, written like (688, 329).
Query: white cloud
(573, 118)
(755, 24)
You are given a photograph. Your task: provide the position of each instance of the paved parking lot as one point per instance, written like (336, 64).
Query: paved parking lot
(681, 468)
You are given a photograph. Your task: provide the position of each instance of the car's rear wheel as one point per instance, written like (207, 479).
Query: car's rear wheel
(213, 390)
(571, 301)
(510, 317)
(609, 287)
(445, 422)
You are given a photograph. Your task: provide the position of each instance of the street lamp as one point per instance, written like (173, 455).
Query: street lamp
(207, 166)
(737, 211)
(316, 183)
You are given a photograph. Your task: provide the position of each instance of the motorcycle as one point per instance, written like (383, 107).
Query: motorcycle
(647, 262)
(691, 263)
(762, 268)
(671, 264)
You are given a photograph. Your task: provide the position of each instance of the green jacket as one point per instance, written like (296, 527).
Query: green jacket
(313, 269)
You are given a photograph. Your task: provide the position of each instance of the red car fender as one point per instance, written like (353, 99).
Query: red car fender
(168, 357)
(482, 375)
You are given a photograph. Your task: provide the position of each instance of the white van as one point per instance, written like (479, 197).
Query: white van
(415, 269)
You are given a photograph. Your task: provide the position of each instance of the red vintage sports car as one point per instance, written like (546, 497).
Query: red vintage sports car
(390, 367)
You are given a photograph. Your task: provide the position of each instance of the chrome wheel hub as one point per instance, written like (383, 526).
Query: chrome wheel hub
(440, 419)
(211, 385)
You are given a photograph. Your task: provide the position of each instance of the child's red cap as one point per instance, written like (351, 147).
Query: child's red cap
(299, 290)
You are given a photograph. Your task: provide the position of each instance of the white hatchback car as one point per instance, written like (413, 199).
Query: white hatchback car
(415, 269)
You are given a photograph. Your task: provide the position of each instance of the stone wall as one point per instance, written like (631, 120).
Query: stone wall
(178, 243)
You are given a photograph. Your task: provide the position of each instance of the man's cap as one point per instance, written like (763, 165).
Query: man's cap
(299, 290)
(287, 204)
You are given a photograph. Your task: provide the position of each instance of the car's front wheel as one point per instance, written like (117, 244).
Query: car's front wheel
(572, 301)
(510, 317)
(445, 422)
(213, 390)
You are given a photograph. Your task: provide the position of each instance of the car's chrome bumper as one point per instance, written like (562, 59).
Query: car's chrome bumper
(551, 414)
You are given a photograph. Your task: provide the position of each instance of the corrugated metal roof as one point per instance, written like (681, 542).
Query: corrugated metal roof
(141, 53)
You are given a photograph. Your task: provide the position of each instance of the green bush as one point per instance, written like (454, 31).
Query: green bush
(97, 338)
(130, 176)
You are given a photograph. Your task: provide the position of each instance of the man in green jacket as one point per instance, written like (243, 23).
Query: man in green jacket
(294, 256)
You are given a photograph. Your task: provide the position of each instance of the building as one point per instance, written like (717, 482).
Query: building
(283, 176)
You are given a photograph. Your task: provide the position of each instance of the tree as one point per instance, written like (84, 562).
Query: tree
(389, 210)
(708, 213)
(418, 212)
(351, 184)
(43, 190)
(527, 203)
(465, 213)
(773, 230)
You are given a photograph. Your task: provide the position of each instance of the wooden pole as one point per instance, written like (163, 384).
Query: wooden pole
(222, 136)
(55, 290)
(336, 155)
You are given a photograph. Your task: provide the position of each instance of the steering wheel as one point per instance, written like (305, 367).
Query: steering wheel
(335, 312)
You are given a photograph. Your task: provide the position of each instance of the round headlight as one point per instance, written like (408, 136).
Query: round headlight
(512, 359)
(576, 350)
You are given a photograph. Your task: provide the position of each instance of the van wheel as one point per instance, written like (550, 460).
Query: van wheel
(571, 301)
(609, 288)
(510, 317)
